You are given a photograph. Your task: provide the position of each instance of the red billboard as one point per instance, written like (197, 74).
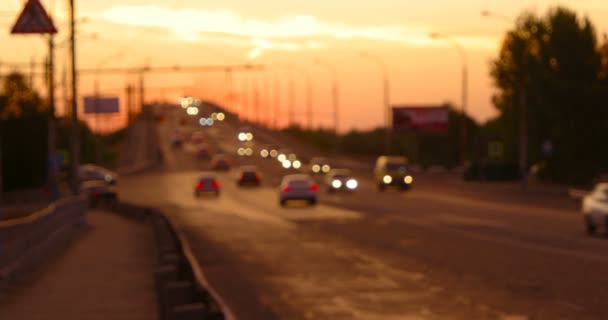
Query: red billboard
(420, 118)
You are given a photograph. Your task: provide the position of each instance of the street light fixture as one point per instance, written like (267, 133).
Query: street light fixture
(386, 88)
(464, 92)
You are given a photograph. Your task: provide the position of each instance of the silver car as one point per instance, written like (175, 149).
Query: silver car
(298, 187)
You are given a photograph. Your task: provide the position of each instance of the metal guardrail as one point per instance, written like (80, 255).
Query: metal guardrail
(183, 291)
(25, 241)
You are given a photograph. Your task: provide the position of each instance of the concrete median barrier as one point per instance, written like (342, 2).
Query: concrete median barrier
(26, 242)
(183, 292)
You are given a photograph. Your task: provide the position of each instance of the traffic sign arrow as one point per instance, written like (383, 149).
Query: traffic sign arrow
(33, 19)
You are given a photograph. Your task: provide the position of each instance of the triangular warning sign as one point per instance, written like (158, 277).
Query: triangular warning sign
(34, 19)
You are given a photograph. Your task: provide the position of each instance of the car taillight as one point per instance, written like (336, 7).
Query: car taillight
(257, 177)
(215, 184)
(200, 185)
(286, 189)
(314, 188)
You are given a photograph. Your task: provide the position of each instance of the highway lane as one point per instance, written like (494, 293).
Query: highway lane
(419, 255)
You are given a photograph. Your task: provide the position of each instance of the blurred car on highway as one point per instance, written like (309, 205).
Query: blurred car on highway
(207, 183)
(291, 162)
(298, 187)
(319, 165)
(90, 172)
(268, 151)
(204, 152)
(341, 180)
(249, 175)
(392, 171)
(245, 134)
(198, 137)
(245, 149)
(595, 208)
(220, 162)
(177, 140)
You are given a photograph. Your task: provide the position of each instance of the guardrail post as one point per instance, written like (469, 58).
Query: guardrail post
(174, 294)
(164, 275)
(193, 311)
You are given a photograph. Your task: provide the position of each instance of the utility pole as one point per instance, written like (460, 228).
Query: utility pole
(463, 131)
(75, 145)
(256, 101)
(308, 101)
(523, 135)
(291, 103)
(229, 92)
(32, 71)
(129, 92)
(141, 90)
(52, 125)
(96, 115)
(1, 176)
(276, 103)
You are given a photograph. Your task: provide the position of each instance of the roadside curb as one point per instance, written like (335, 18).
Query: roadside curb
(183, 291)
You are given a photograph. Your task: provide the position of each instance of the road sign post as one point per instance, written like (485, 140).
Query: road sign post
(35, 20)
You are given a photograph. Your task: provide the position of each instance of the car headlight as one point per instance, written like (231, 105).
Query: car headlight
(249, 136)
(241, 152)
(242, 137)
(274, 153)
(408, 179)
(326, 168)
(316, 168)
(297, 164)
(264, 153)
(336, 184)
(249, 152)
(282, 157)
(286, 164)
(352, 184)
(387, 179)
(108, 178)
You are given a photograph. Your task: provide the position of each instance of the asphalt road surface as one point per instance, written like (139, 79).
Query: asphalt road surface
(425, 254)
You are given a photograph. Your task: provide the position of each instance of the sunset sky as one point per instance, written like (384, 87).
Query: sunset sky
(132, 33)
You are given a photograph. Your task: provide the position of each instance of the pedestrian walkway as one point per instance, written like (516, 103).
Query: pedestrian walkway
(106, 273)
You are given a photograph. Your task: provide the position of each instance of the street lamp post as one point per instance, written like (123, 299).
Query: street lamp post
(464, 92)
(75, 142)
(334, 94)
(386, 95)
(53, 176)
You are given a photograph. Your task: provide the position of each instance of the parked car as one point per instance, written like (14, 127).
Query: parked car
(595, 208)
